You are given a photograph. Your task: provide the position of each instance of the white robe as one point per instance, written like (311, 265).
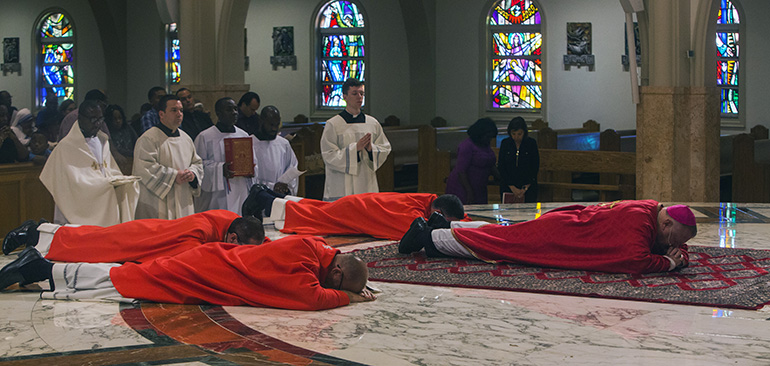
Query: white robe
(275, 157)
(215, 194)
(349, 171)
(81, 186)
(157, 158)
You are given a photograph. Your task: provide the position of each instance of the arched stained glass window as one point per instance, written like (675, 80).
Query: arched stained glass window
(515, 75)
(173, 65)
(341, 53)
(728, 56)
(56, 57)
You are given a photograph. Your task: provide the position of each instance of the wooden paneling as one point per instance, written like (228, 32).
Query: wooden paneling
(22, 196)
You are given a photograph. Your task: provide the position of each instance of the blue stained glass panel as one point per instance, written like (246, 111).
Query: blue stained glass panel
(727, 44)
(332, 96)
(57, 53)
(58, 75)
(340, 70)
(516, 70)
(727, 13)
(517, 96)
(56, 26)
(730, 102)
(341, 14)
(175, 49)
(63, 92)
(343, 45)
(508, 12)
(727, 72)
(516, 44)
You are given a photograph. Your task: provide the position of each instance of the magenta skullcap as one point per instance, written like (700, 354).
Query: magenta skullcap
(682, 214)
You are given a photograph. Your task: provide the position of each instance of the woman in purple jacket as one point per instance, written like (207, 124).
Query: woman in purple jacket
(475, 163)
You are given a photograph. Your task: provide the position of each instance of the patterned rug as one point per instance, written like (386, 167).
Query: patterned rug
(716, 277)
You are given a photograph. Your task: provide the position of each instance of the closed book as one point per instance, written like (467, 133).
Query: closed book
(239, 155)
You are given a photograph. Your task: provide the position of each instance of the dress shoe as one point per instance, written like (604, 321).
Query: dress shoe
(438, 221)
(18, 236)
(11, 273)
(416, 237)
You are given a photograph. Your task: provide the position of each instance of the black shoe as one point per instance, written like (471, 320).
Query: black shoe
(416, 237)
(18, 236)
(259, 202)
(11, 273)
(438, 221)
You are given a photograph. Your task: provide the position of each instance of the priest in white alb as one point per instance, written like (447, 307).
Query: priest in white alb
(171, 170)
(353, 147)
(275, 154)
(84, 178)
(222, 189)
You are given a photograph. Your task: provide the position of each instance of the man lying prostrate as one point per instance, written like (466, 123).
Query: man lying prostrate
(619, 237)
(384, 215)
(296, 272)
(135, 241)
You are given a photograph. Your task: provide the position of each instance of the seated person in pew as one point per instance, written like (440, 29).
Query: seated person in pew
(297, 272)
(475, 163)
(11, 148)
(38, 149)
(384, 215)
(518, 163)
(134, 241)
(619, 237)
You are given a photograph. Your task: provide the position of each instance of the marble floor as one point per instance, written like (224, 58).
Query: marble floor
(407, 324)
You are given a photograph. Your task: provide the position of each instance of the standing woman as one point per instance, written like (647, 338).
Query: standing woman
(475, 163)
(519, 163)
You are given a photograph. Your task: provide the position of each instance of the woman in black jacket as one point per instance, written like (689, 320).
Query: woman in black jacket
(519, 163)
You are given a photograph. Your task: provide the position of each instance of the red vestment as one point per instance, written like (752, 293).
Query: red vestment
(385, 215)
(283, 274)
(613, 237)
(138, 240)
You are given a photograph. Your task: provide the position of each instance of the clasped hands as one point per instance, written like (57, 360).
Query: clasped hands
(677, 256)
(184, 176)
(519, 192)
(364, 296)
(365, 143)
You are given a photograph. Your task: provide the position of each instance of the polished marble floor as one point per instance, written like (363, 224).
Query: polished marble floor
(408, 324)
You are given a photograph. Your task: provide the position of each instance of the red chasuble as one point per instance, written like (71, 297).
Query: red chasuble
(286, 274)
(385, 215)
(612, 237)
(139, 240)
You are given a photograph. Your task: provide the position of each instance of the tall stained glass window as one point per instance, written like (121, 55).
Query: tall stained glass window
(728, 57)
(173, 65)
(515, 74)
(56, 57)
(341, 51)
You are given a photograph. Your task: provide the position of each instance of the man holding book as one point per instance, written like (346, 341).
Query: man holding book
(229, 162)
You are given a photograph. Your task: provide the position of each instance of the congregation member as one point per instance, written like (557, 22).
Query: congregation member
(11, 149)
(151, 118)
(95, 95)
(475, 163)
(384, 215)
(194, 121)
(47, 120)
(274, 153)
(297, 272)
(134, 241)
(83, 177)
(518, 163)
(248, 118)
(23, 125)
(122, 137)
(222, 189)
(39, 150)
(6, 99)
(170, 169)
(618, 237)
(353, 147)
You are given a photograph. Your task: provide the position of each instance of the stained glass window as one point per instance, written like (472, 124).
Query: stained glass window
(342, 53)
(56, 58)
(515, 66)
(728, 57)
(173, 65)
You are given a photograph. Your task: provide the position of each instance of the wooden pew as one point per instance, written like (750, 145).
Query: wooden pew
(751, 169)
(608, 162)
(23, 196)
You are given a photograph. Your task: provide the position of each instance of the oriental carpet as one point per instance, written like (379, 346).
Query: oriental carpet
(716, 277)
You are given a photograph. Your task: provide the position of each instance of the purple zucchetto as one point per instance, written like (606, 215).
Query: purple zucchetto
(682, 214)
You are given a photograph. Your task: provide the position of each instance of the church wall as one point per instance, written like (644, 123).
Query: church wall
(145, 41)
(17, 19)
(756, 73)
(292, 90)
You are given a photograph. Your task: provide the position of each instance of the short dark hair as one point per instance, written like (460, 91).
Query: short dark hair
(248, 97)
(518, 123)
(181, 90)
(450, 205)
(269, 110)
(66, 104)
(163, 103)
(87, 105)
(96, 94)
(153, 90)
(247, 227)
(350, 82)
(220, 104)
(480, 129)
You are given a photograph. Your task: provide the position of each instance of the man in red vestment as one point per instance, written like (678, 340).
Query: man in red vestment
(620, 237)
(384, 215)
(297, 272)
(138, 240)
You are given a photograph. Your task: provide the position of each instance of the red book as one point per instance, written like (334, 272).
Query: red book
(239, 152)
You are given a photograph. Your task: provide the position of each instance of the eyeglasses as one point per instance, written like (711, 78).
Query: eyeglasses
(342, 278)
